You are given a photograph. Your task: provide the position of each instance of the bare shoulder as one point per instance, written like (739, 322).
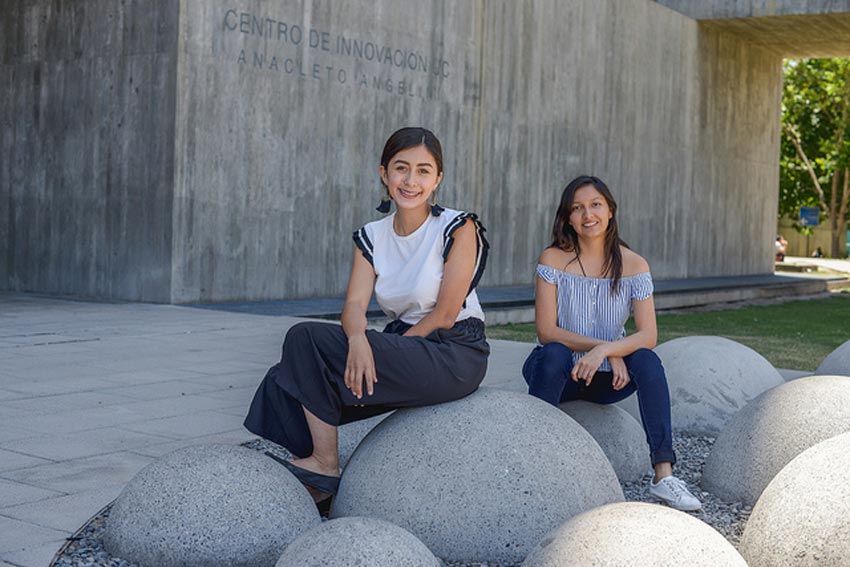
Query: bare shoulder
(464, 242)
(555, 258)
(633, 263)
(467, 229)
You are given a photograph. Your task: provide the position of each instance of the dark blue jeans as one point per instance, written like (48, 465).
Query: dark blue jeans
(547, 372)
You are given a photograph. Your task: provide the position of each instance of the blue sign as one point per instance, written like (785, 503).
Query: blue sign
(809, 216)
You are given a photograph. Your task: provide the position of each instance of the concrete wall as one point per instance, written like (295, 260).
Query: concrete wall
(87, 92)
(276, 141)
(272, 178)
(736, 156)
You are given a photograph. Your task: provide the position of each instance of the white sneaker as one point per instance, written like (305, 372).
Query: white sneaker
(674, 492)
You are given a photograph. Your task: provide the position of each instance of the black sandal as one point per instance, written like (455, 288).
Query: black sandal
(321, 482)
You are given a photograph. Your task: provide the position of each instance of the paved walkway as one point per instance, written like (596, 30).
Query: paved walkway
(842, 266)
(92, 392)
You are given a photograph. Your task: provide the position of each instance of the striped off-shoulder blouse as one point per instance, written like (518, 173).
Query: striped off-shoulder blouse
(587, 306)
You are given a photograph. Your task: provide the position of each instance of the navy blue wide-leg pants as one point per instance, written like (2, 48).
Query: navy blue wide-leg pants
(446, 365)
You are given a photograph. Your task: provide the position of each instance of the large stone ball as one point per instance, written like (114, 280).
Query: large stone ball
(710, 379)
(209, 506)
(773, 429)
(634, 534)
(619, 434)
(482, 478)
(837, 362)
(357, 542)
(803, 517)
(351, 434)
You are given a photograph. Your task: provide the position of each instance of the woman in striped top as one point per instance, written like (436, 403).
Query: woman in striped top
(588, 280)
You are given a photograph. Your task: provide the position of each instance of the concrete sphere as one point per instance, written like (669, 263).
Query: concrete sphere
(351, 434)
(837, 363)
(710, 379)
(773, 429)
(209, 506)
(619, 434)
(357, 542)
(478, 479)
(634, 534)
(803, 517)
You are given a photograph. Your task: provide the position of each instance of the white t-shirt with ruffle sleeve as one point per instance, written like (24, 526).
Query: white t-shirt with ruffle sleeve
(409, 269)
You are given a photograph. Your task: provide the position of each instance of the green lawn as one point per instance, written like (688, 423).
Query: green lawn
(795, 334)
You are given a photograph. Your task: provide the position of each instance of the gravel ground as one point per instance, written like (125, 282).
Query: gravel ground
(729, 518)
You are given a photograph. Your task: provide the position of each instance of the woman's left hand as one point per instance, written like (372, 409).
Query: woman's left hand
(587, 365)
(621, 373)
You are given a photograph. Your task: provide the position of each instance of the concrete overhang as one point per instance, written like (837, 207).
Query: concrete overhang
(790, 28)
(720, 9)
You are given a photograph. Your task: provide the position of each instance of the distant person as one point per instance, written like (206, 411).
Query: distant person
(587, 282)
(423, 263)
(818, 253)
(781, 247)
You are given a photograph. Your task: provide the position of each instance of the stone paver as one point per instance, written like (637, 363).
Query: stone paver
(178, 427)
(166, 389)
(65, 513)
(67, 446)
(17, 536)
(78, 400)
(40, 554)
(10, 461)
(81, 474)
(10, 432)
(12, 493)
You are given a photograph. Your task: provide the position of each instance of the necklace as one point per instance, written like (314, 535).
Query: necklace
(580, 265)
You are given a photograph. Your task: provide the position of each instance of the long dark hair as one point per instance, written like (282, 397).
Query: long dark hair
(410, 138)
(565, 238)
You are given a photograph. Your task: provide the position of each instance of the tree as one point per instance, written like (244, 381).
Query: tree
(815, 160)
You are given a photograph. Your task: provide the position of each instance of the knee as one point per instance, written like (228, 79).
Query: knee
(301, 335)
(555, 354)
(550, 361)
(644, 357)
(298, 333)
(645, 363)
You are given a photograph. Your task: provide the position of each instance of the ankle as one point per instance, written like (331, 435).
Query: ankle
(662, 471)
(327, 464)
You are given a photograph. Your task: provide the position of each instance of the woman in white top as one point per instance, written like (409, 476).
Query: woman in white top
(588, 281)
(423, 263)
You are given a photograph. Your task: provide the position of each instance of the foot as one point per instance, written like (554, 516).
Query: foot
(674, 492)
(320, 481)
(312, 464)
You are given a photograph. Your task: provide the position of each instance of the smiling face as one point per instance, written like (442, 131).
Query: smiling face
(411, 176)
(589, 212)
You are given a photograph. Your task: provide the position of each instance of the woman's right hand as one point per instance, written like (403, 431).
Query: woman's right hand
(621, 376)
(360, 366)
